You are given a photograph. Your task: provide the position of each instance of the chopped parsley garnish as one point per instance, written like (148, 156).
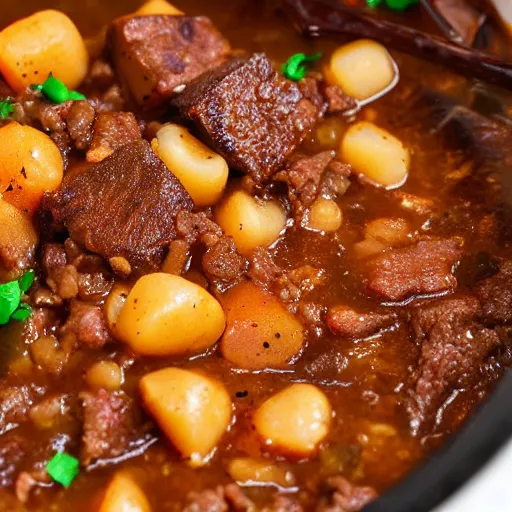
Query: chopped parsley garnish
(6, 108)
(56, 91)
(10, 299)
(63, 468)
(296, 66)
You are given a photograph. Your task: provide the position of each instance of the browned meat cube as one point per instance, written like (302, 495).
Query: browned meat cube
(125, 206)
(111, 131)
(419, 269)
(249, 114)
(155, 55)
(345, 321)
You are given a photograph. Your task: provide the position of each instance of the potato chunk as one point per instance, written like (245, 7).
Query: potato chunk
(124, 495)
(376, 154)
(166, 315)
(295, 420)
(202, 172)
(260, 332)
(249, 221)
(363, 68)
(18, 242)
(192, 409)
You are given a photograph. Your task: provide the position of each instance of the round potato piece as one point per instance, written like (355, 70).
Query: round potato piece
(124, 495)
(192, 409)
(167, 315)
(376, 154)
(251, 222)
(295, 420)
(260, 332)
(30, 165)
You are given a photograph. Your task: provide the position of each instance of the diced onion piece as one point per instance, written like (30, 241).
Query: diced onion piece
(192, 409)
(157, 7)
(260, 332)
(168, 315)
(124, 495)
(376, 154)
(362, 68)
(325, 215)
(46, 42)
(249, 472)
(201, 171)
(295, 420)
(30, 165)
(251, 222)
(114, 304)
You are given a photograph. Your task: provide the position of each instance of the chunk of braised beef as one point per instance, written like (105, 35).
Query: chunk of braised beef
(420, 269)
(344, 496)
(111, 131)
(454, 348)
(110, 425)
(249, 114)
(87, 323)
(345, 321)
(156, 55)
(495, 295)
(124, 206)
(42, 322)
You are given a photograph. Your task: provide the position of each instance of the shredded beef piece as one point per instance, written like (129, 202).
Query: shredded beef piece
(80, 120)
(42, 322)
(345, 321)
(249, 114)
(453, 348)
(422, 268)
(197, 227)
(309, 177)
(285, 504)
(87, 323)
(69, 124)
(345, 496)
(223, 265)
(125, 206)
(15, 402)
(156, 55)
(110, 425)
(222, 499)
(207, 501)
(111, 131)
(330, 364)
(495, 295)
(12, 451)
(262, 268)
(327, 98)
(293, 284)
(337, 100)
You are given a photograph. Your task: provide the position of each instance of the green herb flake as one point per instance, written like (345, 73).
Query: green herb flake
(296, 66)
(6, 108)
(396, 5)
(56, 91)
(27, 280)
(10, 296)
(22, 313)
(63, 468)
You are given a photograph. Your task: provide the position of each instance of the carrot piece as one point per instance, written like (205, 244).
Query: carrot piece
(45, 42)
(30, 165)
